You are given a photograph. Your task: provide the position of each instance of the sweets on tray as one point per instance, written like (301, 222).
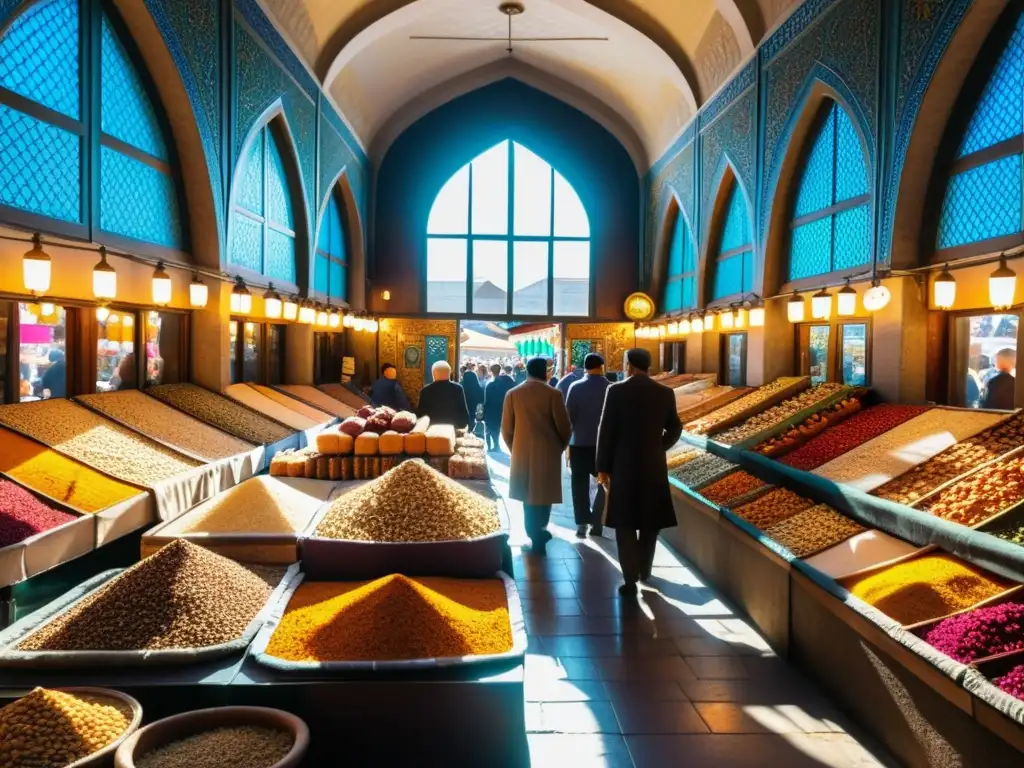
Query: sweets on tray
(772, 508)
(925, 588)
(985, 631)
(866, 425)
(775, 415)
(701, 469)
(759, 398)
(393, 618)
(902, 447)
(813, 530)
(221, 412)
(732, 486)
(980, 495)
(99, 442)
(812, 426)
(183, 596)
(411, 502)
(962, 457)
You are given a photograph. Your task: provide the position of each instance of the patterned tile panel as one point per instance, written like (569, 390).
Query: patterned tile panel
(39, 55)
(138, 201)
(39, 167)
(982, 203)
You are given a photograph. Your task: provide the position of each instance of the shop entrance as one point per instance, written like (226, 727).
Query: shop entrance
(982, 347)
(483, 343)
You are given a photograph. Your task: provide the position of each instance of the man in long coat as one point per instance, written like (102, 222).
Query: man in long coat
(536, 428)
(638, 425)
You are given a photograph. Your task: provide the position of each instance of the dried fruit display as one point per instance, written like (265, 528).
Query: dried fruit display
(812, 426)
(393, 618)
(261, 504)
(905, 446)
(731, 487)
(59, 477)
(813, 530)
(1012, 682)
(982, 632)
(97, 441)
(320, 399)
(866, 425)
(23, 515)
(772, 508)
(701, 469)
(236, 747)
(53, 729)
(693, 406)
(926, 588)
(680, 453)
(777, 414)
(293, 404)
(411, 502)
(246, 395)
(183, 596)
(1013, 533)
(979, 496)
(983, 447)
(166, 424)
(221, 412)
(760, 398)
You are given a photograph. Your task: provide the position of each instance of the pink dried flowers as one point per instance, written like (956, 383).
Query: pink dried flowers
(1013, 682)
(986, 631)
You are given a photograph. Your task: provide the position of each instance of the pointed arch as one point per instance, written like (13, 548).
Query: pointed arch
(728, 265)
(341, 195)
(675, 260)
(267, 232)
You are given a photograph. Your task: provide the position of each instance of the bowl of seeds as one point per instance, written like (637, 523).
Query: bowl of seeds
(67, 728)
(222, 737)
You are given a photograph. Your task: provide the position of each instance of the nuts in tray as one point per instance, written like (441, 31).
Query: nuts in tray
(710, 423)
(787, 409)
(221, 412)
(980, 495)
(732, 486)
(701, 469)
(814, 530)
(812, 426)
(772, 508)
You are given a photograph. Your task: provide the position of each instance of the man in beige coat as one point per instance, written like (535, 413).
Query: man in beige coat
(536, 428)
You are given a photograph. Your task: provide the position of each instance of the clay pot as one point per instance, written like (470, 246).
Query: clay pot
(104, 758)
(188, 724)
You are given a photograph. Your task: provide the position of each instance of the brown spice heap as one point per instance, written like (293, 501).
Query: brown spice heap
(732, 486)
(814, 530)
(183, 596)
(772, 508)
(392, 618)
(411, 502)
(51, 729)
(237, 747)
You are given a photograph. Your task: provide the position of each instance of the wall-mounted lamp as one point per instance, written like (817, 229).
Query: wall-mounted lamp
(272, 303)
(795, 308)
(241, 299)
(161, 286)
(877, 296)
(104, 278)
(1002, 285)
(290, 309)
(385, 295)
(821, 305)
(198, 293)
(846, 300)
(36, 267)
(944, 289)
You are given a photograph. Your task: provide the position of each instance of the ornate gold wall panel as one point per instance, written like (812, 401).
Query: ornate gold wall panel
(396, 335)
(611, 340)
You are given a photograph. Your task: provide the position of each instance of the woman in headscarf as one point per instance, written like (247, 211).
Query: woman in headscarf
(474, 395)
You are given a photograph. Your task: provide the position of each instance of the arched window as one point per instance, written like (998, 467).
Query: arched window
(330, 275)
(831, 213)
(682, 269)
(43, 136)
(263, 219)
(734, 257)
(508, 218)
(983, 198)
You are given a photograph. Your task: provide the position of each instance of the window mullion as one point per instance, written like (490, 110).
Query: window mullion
(551, 243)
(265, 138)
(510, 249)
(835, 173)
(469, 244)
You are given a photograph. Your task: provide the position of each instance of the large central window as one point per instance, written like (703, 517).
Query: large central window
(507, 218)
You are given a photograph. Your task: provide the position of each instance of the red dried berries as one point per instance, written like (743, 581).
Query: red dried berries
(23, 515)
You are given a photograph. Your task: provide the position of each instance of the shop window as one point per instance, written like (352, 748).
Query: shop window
(734, 359)
(681, 276)
(256, 352)
(329, 350)
(854, 352)
(508, 220)
(983, 198)
(734, 256)
(837, 352)
(236, 372)
(831, 213)
(331, 268)
(165, 348)
(116, 364)
(42, 351)
(252, 349)
(275, 353)
(982, 348)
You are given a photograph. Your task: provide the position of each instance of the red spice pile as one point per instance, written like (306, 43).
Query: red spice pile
(23, 515)
(836, 441)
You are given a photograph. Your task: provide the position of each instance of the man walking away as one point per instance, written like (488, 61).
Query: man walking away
(387, 391)
(443, 400)
(999, 389)
(638, 425)
(494, 400)
(575, 374)
(585, 402)
(536, 428)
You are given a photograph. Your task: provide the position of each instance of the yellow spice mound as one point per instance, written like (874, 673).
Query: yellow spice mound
(259, 505)
(394, 618)
(51, 729)
(926, 588)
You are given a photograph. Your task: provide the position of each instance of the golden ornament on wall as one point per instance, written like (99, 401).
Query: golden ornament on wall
(639, 306)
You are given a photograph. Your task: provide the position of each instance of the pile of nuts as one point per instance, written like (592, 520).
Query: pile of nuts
(222, 413)
(166, 424)
(701, 470)
(731, 487)
(955, 461)
(726, 415)
(98, 442)
(865, 426)
(787, 409)
(980, 495)
(772, 508)
(184, 596)
(246, 395)
(901, 448)
(694, 405)
(680, 453)
(811, 426)
(237, 747)
(412, 502)
(52, 729)
(814, 530)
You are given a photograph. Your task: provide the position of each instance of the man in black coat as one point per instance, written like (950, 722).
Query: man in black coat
(999, 390)
(494, 402)
(443, 400)
(638, 425)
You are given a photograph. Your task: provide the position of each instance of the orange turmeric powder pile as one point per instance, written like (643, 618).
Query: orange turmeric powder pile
(393, 618)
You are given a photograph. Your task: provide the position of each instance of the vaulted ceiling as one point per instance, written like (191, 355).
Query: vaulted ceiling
(661, 61)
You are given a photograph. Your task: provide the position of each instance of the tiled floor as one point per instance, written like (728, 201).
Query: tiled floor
(674, 679)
